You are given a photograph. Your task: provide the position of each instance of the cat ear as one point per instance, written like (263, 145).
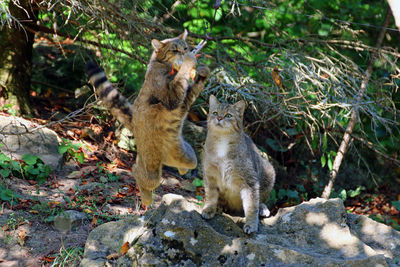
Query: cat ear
(183, 35)
(213, 101)
(240, 106)
(157, 45)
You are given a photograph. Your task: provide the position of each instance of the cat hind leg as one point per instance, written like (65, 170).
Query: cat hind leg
(148, 178)
(182, 157)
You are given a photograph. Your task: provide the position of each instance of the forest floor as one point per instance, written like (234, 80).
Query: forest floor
(103, 189)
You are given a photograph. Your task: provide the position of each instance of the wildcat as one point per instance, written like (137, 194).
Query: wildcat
(236, 177)
(157, 114)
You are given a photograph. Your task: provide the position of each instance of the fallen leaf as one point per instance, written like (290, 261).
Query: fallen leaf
(54, 203)
(112, 256)
(5, 227)
(71, 191)
(32, 182)
(75, 174)
(49, 259)
(21, 237)
(276, 77)
(94, 222)
(87, 211)
(124, 249)
(34, 211)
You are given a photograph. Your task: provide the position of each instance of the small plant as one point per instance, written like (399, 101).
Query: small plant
(13, 222)
(30, 167)
(7, 166)
(8, 195)
(34, 167)
(198, 183)
(68, 257)
(344, 194)
(47, 211)
(72, 150)
(9, 109)
(108, 176)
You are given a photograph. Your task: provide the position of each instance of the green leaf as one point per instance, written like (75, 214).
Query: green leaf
(15, 165)
(354, 193)
(5, 173)
(4, 158)
(272, 196)
(62, 149)
(32, 170)
(324, 142)
(292, 194)
(330, 164)
(198, 182)
(80, 157)
(29, 159)
(281, 193)
(323, 160)
(291, 131)
(275, 146)
(199, 198)
(343, 194)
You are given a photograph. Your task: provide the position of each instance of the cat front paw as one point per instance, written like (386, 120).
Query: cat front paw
(250, 227)
(203, 71)
(264, 211)
(208, 212)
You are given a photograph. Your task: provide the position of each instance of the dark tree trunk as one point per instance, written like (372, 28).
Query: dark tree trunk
(16, 44)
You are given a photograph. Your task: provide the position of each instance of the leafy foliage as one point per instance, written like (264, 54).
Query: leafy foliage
(72, 150)
(29, 167)
(8, 195)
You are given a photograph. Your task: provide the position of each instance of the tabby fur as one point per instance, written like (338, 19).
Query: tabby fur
(157, 114)
(236, 176)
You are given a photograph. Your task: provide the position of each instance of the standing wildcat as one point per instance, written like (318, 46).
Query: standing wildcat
(157, 114)
(235, 174)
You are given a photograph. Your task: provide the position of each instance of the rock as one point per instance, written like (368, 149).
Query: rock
(314, 233)
(196, 136)
(126, 140)
(69, 219)
(384, 239)
(42, 142)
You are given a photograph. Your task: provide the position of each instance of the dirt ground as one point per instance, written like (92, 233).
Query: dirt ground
(28, 236)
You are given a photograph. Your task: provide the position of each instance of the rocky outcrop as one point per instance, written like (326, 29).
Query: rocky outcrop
(314, 233)
(42, 142)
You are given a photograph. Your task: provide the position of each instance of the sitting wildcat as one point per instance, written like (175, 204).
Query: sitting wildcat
(235, 174)
(156, 117)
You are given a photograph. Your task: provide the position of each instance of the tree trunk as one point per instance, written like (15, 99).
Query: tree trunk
(16, 45)
(354, 114)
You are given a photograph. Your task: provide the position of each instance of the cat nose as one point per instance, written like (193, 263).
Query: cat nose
(219, 118)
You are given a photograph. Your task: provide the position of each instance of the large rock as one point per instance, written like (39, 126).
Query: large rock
(314, 233)
(42, 142)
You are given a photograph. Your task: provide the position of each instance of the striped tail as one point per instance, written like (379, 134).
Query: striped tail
(118, 105)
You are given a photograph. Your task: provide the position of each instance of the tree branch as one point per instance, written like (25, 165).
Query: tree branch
(354, 114)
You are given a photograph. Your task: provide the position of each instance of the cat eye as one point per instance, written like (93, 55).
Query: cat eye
(228, 116)
(215, 113)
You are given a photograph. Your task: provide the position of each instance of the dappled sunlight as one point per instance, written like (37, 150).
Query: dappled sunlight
(235, 246)
(375, 229)
(313, 218)
(340, 238)
(31, 192)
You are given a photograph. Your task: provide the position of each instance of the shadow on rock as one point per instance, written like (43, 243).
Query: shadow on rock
(314, 233)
